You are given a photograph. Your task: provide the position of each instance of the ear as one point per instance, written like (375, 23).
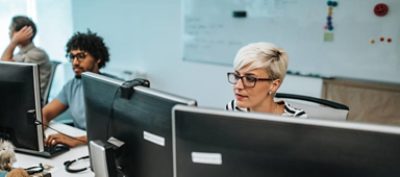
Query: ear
(98, 63)
(275, 85)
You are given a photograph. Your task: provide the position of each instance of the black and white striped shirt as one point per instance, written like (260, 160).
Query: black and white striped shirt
(289, 110)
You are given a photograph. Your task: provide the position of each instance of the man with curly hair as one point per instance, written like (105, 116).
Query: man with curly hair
(87, 52)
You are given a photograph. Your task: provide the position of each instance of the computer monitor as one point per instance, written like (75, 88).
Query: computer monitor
(20, 107)
(142, 122)
(220, 143)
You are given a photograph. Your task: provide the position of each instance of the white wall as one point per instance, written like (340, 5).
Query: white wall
(54, 21)
(145, 35)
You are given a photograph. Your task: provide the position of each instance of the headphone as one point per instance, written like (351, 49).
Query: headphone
(68, 163)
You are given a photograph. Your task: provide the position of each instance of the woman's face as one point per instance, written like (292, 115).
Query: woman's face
(252, 97)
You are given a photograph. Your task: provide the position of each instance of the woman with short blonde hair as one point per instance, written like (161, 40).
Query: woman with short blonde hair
(260, 69)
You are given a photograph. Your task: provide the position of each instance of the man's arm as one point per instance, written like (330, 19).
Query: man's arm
(8, 53)
(70, 141)
(52, 110)
(49, 112)
(17, 39)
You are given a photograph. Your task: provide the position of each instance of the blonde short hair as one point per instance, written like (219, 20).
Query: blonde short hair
(263, 55)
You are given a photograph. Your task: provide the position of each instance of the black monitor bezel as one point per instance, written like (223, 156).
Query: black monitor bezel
(260, 118)
(38, 108)
(137, 89)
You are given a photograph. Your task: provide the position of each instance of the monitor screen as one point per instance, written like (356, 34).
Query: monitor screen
(142, 122)
(20, 106)
(220, 143)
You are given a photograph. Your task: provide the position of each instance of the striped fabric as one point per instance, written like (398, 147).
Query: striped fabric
(289, 111)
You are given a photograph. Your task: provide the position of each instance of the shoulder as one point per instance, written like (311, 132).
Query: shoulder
(231, 106)
(38, 54)
(291, 111)
(74, 82)
(68, 91)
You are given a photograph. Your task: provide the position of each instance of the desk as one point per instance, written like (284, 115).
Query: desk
(25, 160)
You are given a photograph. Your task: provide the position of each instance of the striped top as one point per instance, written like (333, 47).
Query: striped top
(289, 110)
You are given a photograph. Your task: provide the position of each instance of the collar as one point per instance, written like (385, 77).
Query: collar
(26, 48)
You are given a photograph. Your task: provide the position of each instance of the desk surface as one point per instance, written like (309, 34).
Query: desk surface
(25, 160)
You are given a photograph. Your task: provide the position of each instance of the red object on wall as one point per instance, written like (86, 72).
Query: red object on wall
(381, 9)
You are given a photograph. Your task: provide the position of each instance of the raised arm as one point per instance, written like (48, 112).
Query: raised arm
(17, 38)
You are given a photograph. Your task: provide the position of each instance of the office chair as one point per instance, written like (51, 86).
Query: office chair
(316, 108)
(54, 65)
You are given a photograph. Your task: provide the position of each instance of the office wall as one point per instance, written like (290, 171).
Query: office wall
(298, 26)
(54, 21)
(145, 36)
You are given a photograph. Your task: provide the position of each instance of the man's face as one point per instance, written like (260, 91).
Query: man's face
(83, 61)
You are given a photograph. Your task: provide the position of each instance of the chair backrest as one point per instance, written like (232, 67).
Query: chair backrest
(46, 95)
(316, 108)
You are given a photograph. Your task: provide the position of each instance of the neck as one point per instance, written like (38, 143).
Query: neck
(21, 45)
(267, 106)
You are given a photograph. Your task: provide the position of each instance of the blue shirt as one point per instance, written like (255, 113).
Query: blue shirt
(71, 95)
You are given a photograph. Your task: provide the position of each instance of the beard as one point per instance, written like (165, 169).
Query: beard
(90, 69)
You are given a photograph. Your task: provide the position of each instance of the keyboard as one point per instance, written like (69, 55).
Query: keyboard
(51, 151)
(48, 152)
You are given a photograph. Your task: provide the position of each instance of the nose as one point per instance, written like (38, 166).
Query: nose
(75, 61)
(239, 84)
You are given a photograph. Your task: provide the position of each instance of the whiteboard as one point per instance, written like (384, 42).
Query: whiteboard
(213, 35)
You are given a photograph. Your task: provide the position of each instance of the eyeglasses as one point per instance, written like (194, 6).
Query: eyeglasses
(248, 81)
(80, 56)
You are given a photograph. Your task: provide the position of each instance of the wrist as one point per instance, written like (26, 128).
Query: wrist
(13, 43)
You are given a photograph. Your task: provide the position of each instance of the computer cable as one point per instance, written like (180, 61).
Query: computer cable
(125, 92)
(111, 113)
(68, 164)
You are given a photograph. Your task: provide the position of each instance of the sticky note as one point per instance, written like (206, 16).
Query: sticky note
(328, 36)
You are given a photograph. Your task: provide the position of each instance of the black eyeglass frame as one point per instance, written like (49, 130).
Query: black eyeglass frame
(80, 56)
(249, 79)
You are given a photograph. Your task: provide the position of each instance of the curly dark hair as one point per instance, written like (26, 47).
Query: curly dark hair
(92, 43)
(18, 22)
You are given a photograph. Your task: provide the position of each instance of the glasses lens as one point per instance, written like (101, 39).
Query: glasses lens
(80, 56)
(232, 78)
(249, 81)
